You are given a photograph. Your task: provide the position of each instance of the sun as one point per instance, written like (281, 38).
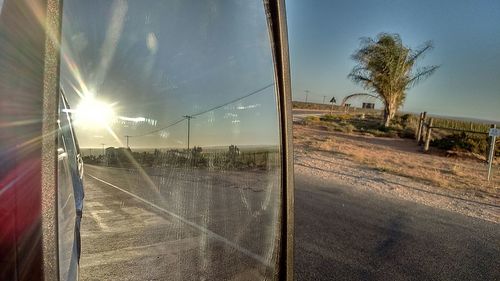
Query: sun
(93, 112)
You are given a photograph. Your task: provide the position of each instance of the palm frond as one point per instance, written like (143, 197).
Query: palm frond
(421, 51)
(360, 74)
(421, 74)
(357, 95)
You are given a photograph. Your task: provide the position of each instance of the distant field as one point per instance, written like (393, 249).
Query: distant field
(96, 151)
(337, 108)
(220, 158)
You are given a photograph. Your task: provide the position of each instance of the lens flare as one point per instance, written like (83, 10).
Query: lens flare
(93, 112)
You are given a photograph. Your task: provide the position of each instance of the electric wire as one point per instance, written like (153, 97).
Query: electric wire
(204, 111)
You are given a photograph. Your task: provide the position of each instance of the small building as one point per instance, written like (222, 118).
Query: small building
(368, 105)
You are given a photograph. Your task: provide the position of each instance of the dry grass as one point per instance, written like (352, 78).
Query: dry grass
(398, 158)
(389, 161)
(399, 165)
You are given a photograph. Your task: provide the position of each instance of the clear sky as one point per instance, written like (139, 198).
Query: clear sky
(156, 61)
(466, 34)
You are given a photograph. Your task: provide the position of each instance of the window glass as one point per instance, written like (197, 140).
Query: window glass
(175, 112)
(67, 180)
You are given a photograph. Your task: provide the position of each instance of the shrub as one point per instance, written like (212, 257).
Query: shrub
(348, 128)
(383, 129)
(328, 117)
(405, 118)
(311, 120)
(407, 133)
(465, 142)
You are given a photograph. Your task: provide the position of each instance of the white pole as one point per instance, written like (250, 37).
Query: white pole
(492, 152)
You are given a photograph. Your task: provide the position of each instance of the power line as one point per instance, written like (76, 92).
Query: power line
(161, 129)
(233, 101)
(205, 111)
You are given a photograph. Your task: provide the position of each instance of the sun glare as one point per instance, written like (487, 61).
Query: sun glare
(92, 112)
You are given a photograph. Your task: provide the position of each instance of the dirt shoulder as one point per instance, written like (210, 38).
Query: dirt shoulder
(397, 168)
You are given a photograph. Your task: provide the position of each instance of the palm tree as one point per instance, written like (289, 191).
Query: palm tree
(386, 68)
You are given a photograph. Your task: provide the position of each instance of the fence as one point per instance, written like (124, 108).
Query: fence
(426, 125)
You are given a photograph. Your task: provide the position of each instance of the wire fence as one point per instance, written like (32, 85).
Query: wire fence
(485, 142)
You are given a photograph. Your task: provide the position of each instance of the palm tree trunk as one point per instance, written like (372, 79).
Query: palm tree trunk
(387, 120)
(389, 113)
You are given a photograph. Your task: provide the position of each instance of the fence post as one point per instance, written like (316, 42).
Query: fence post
(491, 152)
(419, 127)
(421, 134)
(428, 135)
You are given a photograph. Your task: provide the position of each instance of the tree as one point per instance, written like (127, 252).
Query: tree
(387, 69)
(197, 158)
(232, 155)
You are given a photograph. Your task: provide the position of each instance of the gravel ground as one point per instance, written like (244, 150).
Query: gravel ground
(314, 156)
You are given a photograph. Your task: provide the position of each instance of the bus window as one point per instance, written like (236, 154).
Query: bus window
(175, 108)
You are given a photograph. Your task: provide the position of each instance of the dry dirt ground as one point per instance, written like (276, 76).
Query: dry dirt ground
(396, 167)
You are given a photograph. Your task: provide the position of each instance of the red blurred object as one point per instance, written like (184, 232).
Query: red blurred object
(20, 209)
(22, 41)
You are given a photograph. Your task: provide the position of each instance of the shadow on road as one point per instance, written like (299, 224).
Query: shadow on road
(345, 234)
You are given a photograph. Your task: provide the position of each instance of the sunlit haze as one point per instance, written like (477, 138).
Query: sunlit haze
(93, 112)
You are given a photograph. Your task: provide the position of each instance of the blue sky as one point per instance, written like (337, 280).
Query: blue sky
(161, 60)
(466, 35)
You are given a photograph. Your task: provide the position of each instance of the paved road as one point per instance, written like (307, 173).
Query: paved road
(178, 224)
(309, 111)
(342, 234)
(203, 227)
(299, 114)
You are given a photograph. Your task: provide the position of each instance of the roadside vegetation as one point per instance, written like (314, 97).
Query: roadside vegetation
(231, 159)
(366, 124)
(405, 125)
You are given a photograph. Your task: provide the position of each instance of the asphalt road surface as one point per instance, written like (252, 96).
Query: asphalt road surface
(199, 225)
(299, 114)
(178, 224)
(344, 234)
(298, 111)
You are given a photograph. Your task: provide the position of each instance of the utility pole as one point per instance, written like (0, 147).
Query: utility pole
(307, 94)
(127, 140)
(324, 97)
(104, 159)
(188, 117)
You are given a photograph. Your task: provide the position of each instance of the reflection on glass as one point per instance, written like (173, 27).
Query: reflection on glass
(69, 196)
(175, 111)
